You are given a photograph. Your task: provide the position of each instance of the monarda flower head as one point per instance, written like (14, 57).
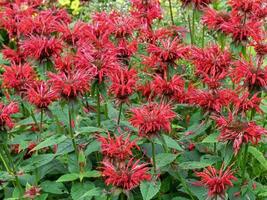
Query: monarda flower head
(238, 132)
(18, 76)
(213, 19)
(71, 83)
(211, 61)
(42, 94)
(5, 115)
(123, 84)
(146, 11)
(41, 48)
(117, 147)
(252, 77)
(247, 7)
(168, 50)
(168, 88)
(241, 31)
(152, 118)
(198, 4)
(217, 181)
(126, 176)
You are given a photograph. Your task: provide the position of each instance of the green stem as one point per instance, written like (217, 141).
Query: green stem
(170, 7)
(203, 36)
(10, 161)
(119, 117)
(244, 163)
(154, 157)
(190, 30)
(98, 108)
(70, 111)
(181, 179)
(193, 25)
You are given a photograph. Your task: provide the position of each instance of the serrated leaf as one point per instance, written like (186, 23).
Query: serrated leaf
(92, 147)
(54, 139)
(194, 165)
(258, 155)
(91, 193)
(212, 138)
(36, 161)
(79, 189)
(164, 159)
(149, 189)
(171, 143)
(53, 187)
(68, 177)
(92, 174)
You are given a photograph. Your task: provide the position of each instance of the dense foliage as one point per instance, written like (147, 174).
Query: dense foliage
(156, 100)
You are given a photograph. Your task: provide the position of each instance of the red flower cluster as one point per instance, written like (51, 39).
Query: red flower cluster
(216, 181)
(128, 176)
(152, 118)
(41, 94)
(123, 84)
(238, 132)
(5, 115)
(117, 148)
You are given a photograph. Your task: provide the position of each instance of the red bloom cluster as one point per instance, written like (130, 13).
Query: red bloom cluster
(41, 94)
(5, 115)
(128, 176)
(152, 118)
(216, 181)
(18, 76)
(117, 148)
(238, 132)
(123, 84)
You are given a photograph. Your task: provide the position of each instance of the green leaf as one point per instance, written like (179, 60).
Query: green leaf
(36, 161)
(194, 165)
(171, 143)
(164, 159)
(91, 193)
(258, 155)
(92, 174)
(212, 138)
(53, 187)
(55, 139)
(92, 147)
(149, 189)
(68, 177)
(89, 129)
(79, 189)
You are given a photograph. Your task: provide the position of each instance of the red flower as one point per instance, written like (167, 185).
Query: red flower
(14, 56)
(211, 61)
(172, 88)
(241, 31)
(32, 192)
(238, 132)
(217, 182)
(152, 118)
(18, 76)
(146, 11)
(6, 111)
(146, 90)
(168, 50)
(198, 4)
(212, 100)
(248, 7)
(117, 147)
(252, 77)
(40, 48)
(123, 84)
(41, 94)
(72, 82)
(127, 175)
(246, 103)
(214, 19)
